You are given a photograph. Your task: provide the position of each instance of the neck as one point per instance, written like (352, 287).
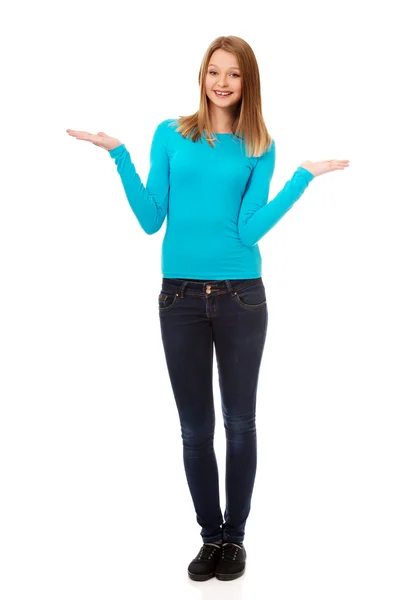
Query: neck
(221, 119)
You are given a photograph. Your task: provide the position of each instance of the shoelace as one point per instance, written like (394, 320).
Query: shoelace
(207, 551)
(230, 550)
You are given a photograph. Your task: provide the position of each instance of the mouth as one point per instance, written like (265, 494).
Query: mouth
(222, 94)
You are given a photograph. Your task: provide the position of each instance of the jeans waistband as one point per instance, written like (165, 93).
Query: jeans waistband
(195, 287)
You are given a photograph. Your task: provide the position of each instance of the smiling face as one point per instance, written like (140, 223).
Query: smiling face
(223, 75)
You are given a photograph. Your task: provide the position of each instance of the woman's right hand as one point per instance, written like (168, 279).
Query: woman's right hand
(100, 139)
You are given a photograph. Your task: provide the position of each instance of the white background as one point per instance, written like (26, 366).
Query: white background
(94, 501)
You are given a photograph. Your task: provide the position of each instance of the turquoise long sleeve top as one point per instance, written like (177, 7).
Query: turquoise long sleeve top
(215, 201)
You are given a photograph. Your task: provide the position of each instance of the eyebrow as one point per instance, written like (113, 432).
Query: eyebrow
(237, 68)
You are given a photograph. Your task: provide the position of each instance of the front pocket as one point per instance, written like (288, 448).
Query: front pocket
(252, 297)
(165, 301)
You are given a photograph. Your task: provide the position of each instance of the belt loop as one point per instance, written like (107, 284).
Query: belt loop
(230, 288)
(184, 284)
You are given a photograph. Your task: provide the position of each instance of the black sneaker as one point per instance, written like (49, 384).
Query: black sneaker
(203, 566)
(232, 562)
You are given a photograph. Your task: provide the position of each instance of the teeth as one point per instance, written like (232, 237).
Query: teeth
(223, 93)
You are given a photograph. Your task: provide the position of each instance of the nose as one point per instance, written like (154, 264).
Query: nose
(222, 81)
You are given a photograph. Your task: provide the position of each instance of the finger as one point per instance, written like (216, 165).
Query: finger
(336, 160)
(85, 136)
(339, 167)
(341, 164)
(75, 132)
(334, 164)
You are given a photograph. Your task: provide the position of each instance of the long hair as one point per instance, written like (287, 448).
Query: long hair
(248, 124)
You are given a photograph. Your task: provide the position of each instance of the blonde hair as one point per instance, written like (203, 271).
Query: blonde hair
(248, 124)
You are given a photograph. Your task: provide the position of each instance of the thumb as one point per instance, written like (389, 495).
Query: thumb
(101, 133)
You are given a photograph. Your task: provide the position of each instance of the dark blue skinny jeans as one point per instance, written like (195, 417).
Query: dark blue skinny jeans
(196, 315)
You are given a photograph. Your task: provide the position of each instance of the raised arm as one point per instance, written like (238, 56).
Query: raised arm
(149, 203)
(257, 216)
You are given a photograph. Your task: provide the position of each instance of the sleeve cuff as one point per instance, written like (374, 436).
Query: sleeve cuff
(306, 173)
(117, 151)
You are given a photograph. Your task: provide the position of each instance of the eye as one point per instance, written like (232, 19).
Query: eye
(236, 74)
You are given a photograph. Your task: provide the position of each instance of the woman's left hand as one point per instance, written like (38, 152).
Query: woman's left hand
(324, 166)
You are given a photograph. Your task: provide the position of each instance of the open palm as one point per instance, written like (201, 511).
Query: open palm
(324, 166)
(100, 139)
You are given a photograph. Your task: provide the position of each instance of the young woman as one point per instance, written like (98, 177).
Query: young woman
(210, 175)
